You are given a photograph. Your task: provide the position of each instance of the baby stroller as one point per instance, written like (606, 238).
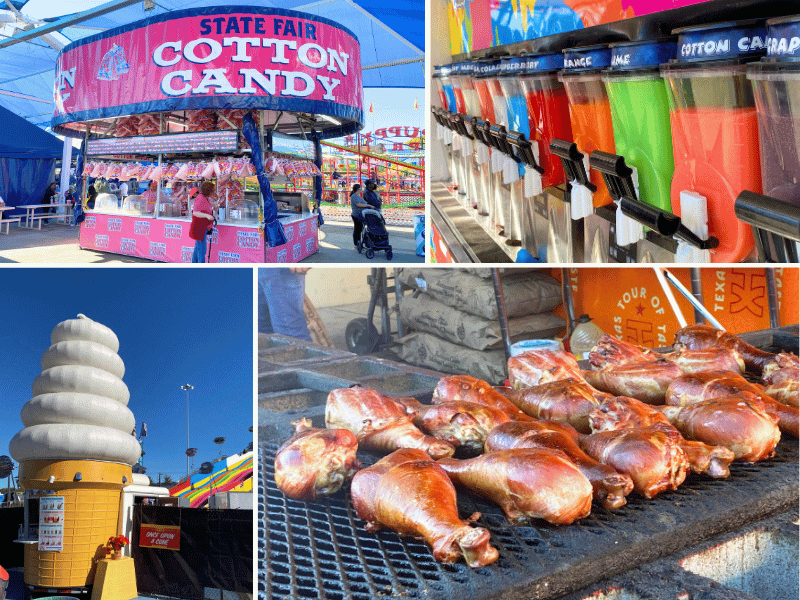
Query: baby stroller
(374, 235)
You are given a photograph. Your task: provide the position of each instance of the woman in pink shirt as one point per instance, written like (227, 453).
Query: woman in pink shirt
(202, 220)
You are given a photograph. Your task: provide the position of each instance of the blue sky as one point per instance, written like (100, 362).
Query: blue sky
(394, 106)
(175, 326)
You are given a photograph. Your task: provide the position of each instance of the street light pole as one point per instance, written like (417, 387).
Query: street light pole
(187, 387)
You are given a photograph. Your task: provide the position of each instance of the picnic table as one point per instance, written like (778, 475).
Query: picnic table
(30, 210)
(7, 222)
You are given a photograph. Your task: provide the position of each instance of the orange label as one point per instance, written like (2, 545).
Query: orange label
(630, 304)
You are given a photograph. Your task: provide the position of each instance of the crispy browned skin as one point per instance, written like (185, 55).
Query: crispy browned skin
(646, 381)
(738, 422)
(566, 400)
(465, 388)
(717, 384)
(695, 337)
(652, 456)
(781, 378)
(379, 422)
(315, 462)
(610, 351)
(707, 359)
(527, 483)
(460, 424)
(627, 413)
(540, 366)
(609, 486)
(409, 493)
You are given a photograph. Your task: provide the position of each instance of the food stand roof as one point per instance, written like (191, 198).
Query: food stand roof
(391, 37)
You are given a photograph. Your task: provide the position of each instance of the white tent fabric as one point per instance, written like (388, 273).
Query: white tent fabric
(391, 37)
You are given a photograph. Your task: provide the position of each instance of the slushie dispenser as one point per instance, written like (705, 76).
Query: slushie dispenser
(714, 135)
(548, 119)
(776, 83)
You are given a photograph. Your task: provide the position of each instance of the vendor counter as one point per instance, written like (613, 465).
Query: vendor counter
(167, 239)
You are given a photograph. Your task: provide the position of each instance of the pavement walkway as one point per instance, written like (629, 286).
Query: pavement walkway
(57, 243)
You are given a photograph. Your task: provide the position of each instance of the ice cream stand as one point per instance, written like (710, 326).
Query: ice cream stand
(216, 93)
(76, 454)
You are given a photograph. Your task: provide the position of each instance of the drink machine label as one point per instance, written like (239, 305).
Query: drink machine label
(51, 523)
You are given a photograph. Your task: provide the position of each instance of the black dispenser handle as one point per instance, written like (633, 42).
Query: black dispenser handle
(572, 160)
(524, 149)
(501, 136)
(663, 222)
(437, 114)
(478, 131)
(487, 133)
(771, 214)
(776, 226)
(616, 173)
(459, 126)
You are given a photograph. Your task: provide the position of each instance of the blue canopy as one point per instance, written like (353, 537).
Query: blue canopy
(391, 35)
(21, 139)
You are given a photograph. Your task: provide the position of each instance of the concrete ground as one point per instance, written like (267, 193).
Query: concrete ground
(55, 243)
(336, 245)
(58, 243)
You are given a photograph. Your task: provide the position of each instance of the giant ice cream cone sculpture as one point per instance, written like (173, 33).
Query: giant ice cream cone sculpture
(77, 444)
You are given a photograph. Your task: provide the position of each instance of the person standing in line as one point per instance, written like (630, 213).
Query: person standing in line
(356, 204)
(202, 220)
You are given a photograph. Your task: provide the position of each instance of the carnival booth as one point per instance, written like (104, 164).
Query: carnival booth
(240, 96)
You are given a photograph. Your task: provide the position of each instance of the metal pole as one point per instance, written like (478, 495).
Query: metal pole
(697, 292)
(566, 292)
(187, 387)
(501, 311)
(772, 298)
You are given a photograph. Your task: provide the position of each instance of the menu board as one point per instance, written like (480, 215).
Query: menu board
(204, 141)
(51, 523)
(284, 144)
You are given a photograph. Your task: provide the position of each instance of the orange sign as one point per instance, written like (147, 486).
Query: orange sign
(630, 304)
(167, 537)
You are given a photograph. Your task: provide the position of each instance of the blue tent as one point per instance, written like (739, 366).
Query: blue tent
(27, 160)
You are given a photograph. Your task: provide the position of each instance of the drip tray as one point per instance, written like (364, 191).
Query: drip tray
(321, 550)
(356, 369)
(384, 376)
(284, 396)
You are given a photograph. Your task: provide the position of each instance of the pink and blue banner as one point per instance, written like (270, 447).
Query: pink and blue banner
(165, 240)
(223, 57)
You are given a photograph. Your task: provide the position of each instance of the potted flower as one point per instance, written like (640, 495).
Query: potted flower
(115, 544)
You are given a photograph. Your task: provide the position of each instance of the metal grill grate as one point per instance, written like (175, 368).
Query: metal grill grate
(320, 550)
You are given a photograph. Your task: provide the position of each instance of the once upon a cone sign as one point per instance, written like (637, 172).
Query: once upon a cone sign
(167, 537)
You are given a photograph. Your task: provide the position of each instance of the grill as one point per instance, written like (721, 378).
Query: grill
(320, 550)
